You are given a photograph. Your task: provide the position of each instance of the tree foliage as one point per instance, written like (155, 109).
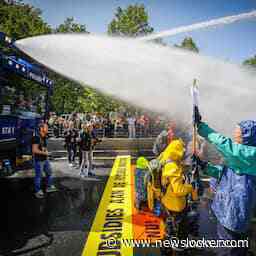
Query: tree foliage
(131, 21)
(69, 26)
(188, 44)
(250, 62)
(19, 20)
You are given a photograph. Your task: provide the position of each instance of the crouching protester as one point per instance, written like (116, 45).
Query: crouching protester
(41, 162)
(235, 194)
(140, 176)
(175, 191)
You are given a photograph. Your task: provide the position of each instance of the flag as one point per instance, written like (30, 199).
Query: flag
(195, 94)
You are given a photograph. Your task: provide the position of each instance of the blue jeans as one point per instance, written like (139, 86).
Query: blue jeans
(71, 148)
(39, 167)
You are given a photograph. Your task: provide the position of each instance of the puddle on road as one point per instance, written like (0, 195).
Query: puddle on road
(72, 208)
(75, 206)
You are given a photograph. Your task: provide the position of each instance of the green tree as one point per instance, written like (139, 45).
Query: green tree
(19, 20)
(250, 62)
(131, 22)
(96, 101)
(188, 44)
(69, 26)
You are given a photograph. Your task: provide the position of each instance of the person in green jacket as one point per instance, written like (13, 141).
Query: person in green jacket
(239, 153)
(235, 197)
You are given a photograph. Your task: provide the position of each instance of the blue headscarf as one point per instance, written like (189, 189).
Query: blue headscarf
(248, 129)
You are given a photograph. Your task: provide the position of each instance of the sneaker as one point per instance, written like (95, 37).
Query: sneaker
(50, 189)
(39, 194)
(83, 174)
(86, 172)
(91, 173)
(70, 164)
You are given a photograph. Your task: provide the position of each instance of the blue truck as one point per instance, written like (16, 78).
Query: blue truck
(19, 117)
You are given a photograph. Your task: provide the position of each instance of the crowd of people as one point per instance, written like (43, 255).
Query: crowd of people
(81, 134)
(112, 124)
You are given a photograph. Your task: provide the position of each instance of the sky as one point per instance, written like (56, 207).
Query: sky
(235, 42)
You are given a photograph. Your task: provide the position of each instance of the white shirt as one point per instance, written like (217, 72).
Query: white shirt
(131, 120)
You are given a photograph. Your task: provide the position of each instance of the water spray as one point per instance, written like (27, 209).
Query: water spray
(201, 25)
(150, 75)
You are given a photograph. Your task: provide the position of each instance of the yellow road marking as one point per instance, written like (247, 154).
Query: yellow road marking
(113, 219)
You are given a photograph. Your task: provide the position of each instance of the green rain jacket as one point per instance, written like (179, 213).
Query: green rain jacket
(241, 158)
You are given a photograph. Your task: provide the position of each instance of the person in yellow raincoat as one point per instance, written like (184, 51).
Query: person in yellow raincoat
(174, 189)
(172, 180)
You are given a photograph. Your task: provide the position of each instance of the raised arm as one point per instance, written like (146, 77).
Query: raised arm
(213, 170)
(239, 157)
(223, 143)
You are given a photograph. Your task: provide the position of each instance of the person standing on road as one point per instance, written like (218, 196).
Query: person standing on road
(71, 137)
(41, 162)
(87, 138)
(56, 128)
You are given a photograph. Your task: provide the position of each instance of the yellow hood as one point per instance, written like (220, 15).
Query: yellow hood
(174, 151)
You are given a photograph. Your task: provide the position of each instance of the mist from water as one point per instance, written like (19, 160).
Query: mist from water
(206, 24)
(150, 75)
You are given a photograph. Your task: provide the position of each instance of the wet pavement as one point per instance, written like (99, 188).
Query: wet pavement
(55, 225)
(58, 225)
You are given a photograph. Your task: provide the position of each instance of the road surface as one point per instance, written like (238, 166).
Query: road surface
(59, 224)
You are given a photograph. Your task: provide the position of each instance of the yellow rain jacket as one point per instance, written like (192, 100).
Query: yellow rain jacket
(176, 190)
